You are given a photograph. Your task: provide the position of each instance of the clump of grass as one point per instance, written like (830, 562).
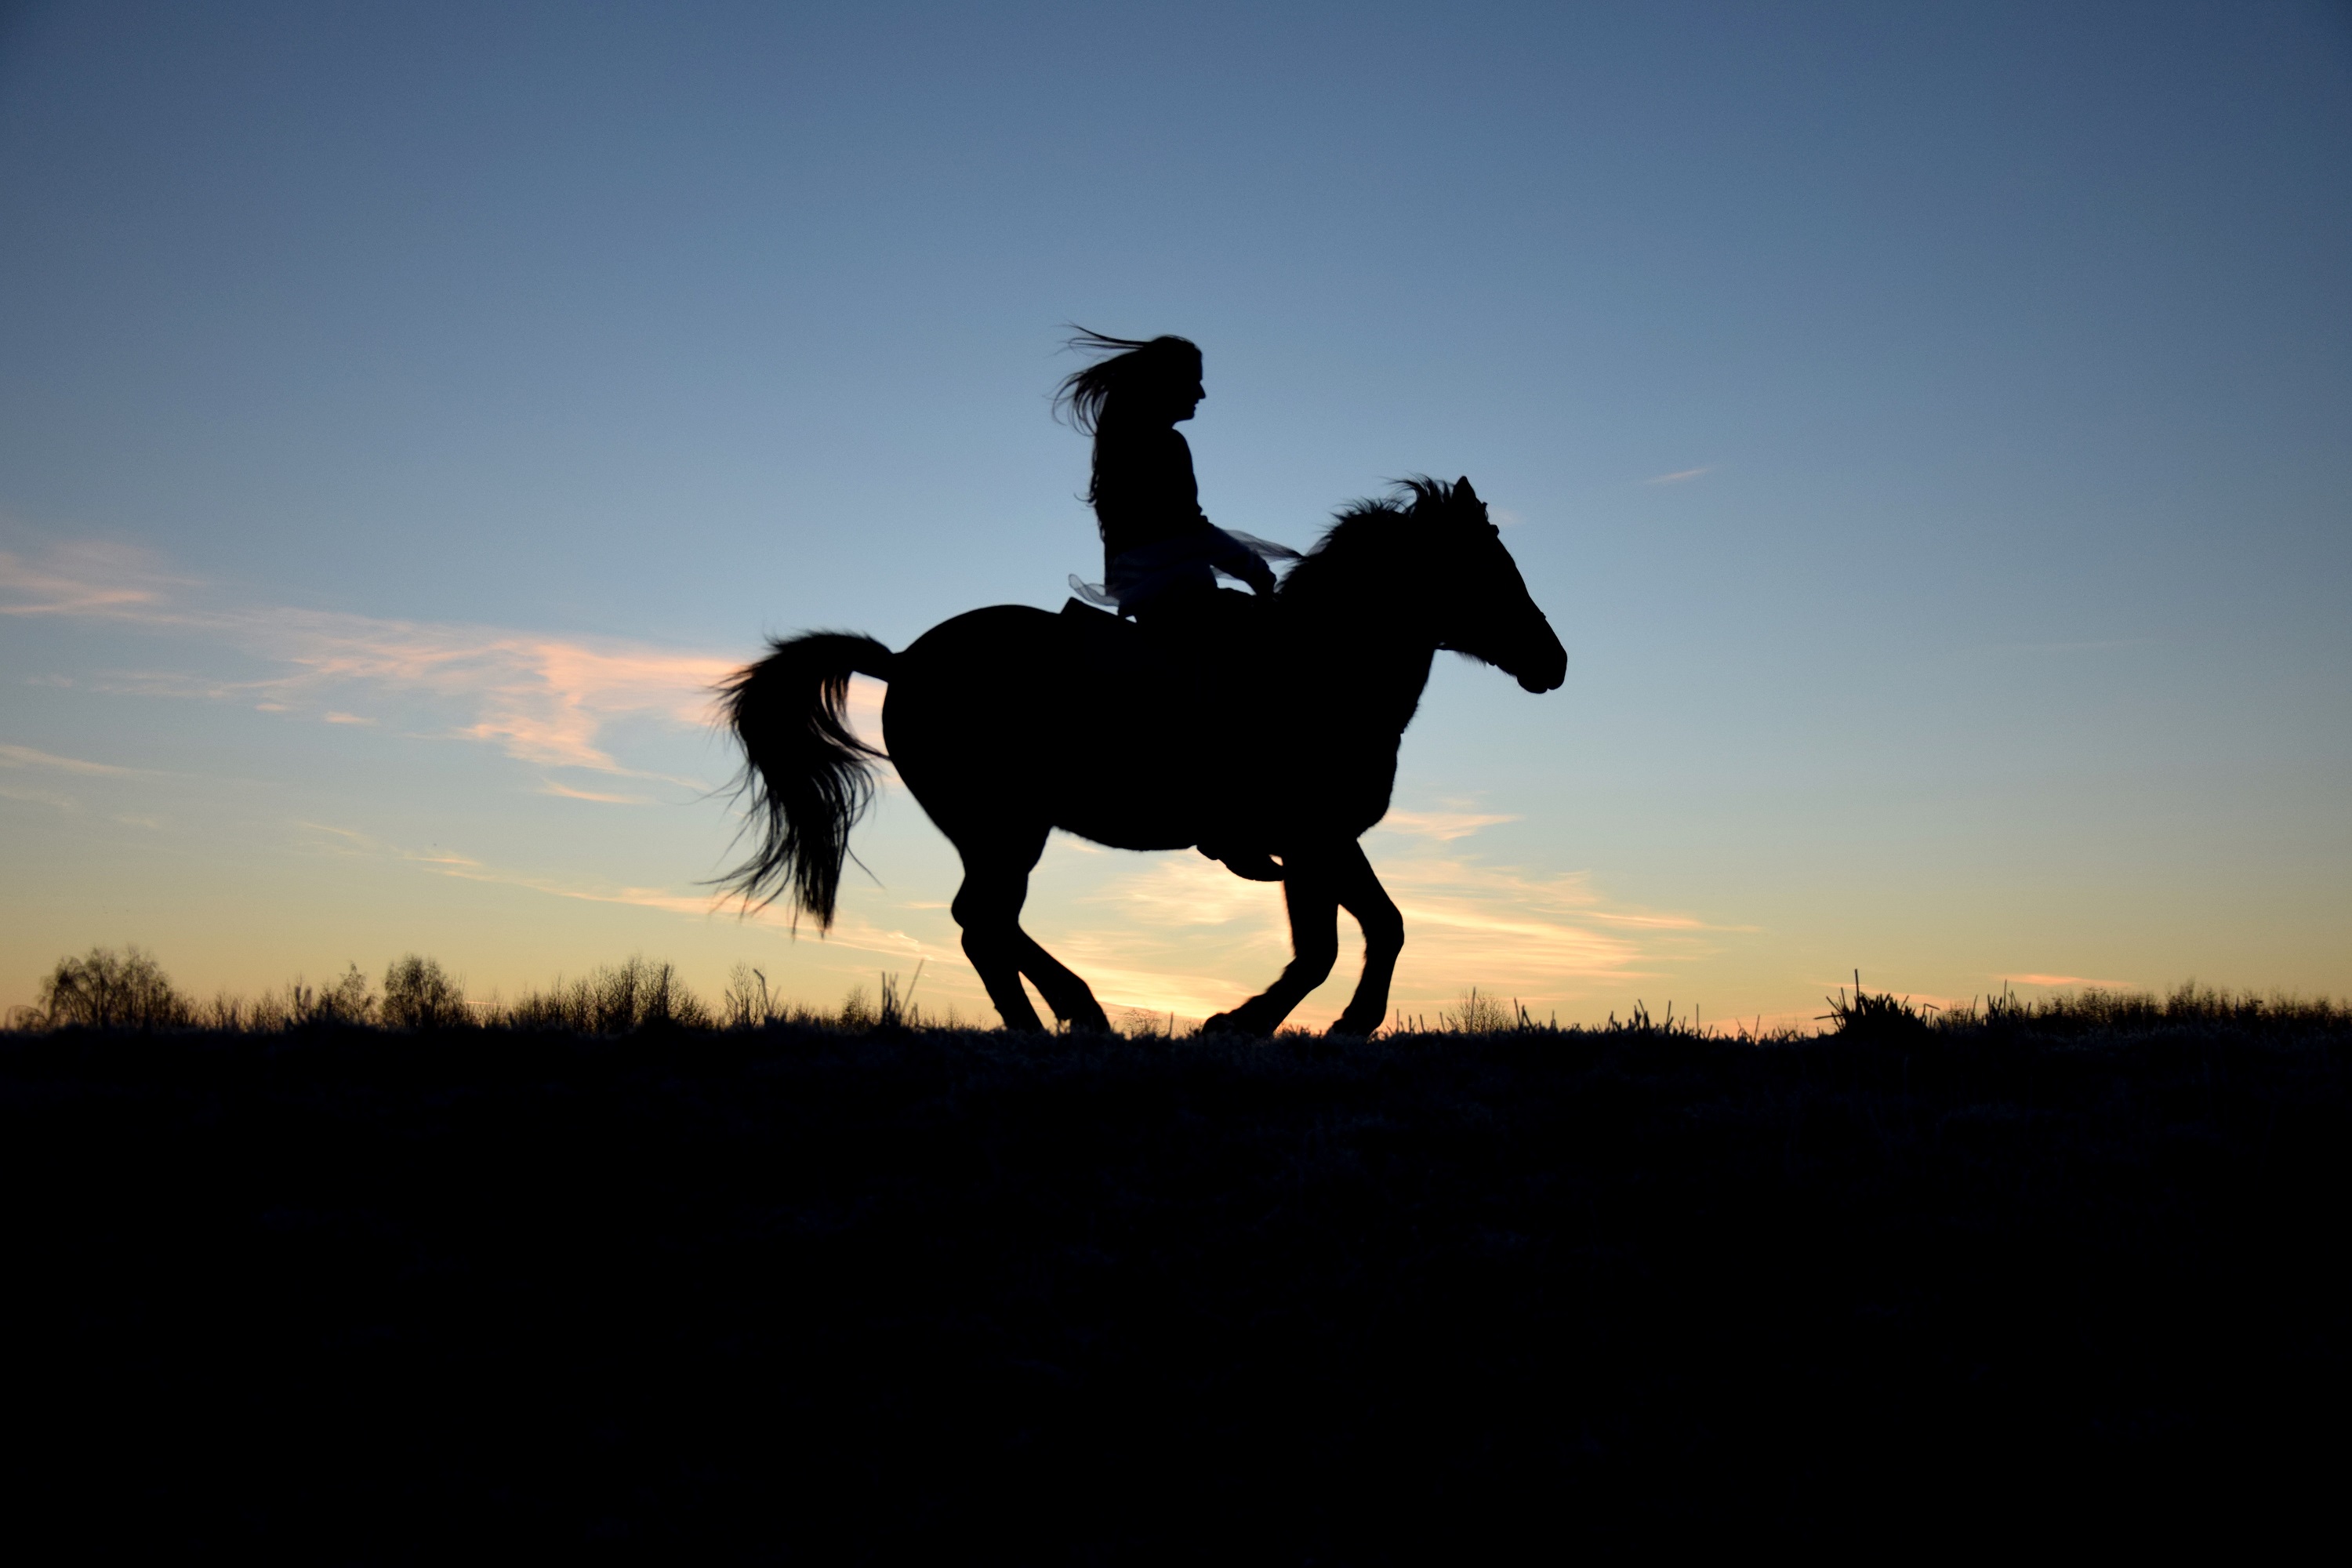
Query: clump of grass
(1482, 1016)
(749, 1004)
(1876, 1017)
(897, 1006)
(621, 999)
(1640, 1022)
(2189, 1006)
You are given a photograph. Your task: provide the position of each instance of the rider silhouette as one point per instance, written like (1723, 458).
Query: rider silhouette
(1161, 552)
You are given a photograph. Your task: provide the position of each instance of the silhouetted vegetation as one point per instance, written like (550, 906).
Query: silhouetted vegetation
(418, 995)
(619, 1000)
(108, 991)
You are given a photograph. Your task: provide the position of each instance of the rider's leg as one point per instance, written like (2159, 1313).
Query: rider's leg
(1360, 894)
(1220, 632)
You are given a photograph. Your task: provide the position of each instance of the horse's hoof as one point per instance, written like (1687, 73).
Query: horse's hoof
(1230, 1024)
(1345, 1029)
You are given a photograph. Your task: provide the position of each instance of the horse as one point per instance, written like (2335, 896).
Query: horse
(1284, 741)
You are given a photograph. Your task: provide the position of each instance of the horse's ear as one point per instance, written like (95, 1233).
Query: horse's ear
(1462, 490)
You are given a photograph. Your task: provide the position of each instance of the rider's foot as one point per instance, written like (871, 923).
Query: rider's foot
(1255, 865)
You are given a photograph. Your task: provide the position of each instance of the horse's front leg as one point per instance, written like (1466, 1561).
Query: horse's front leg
(1359, 890)
(1314, 946)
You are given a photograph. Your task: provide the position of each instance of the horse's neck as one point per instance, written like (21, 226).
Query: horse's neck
(1365, 671)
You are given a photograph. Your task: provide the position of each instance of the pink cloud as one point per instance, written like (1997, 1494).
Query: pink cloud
(539, 698)
(2065, 980)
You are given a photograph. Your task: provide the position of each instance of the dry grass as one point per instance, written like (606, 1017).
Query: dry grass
(110, 991)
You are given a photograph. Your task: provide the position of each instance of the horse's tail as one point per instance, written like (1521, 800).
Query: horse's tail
(808, 775)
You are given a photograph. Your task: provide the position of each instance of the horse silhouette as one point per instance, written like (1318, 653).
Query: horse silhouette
(1285, 739)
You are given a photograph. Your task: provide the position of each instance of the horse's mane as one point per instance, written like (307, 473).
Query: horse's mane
(1372, 529)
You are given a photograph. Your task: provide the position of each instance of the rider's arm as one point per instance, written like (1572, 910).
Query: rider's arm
(1236, 558)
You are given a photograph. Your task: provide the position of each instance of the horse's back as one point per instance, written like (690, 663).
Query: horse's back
(1017, 714)
(1004, 655)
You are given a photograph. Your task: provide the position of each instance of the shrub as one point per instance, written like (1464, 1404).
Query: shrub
(746, 1004)
(1481, 1016)
(418, 995)
(350, 1000)
(106, 990)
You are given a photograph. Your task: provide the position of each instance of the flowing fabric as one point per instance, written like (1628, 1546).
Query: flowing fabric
(1138, 577)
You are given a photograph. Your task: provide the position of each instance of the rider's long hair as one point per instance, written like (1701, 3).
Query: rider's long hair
(1134, 369)
(1132, 364)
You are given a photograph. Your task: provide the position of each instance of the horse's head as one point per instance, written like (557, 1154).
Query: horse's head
(1474, 591)
(1427, 563)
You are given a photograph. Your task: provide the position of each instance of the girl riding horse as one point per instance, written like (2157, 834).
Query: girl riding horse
(1161, 552)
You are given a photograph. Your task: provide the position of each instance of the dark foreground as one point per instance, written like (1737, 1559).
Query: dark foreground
(802, 1294)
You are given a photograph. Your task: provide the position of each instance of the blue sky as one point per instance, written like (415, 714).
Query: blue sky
(1925, 427)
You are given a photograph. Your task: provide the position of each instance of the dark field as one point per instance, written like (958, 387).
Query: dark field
(810, 1293)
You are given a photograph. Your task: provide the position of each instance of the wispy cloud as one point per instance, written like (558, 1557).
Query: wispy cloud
(1442, 826)
(1189, 925)
(26, 757)
(1550, 937)
(1679, 475)
(39, 797)
(541, 698)
(550, 786)
(2065, 980)
(85, 577)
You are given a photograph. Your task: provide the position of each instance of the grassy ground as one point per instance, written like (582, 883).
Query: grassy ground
(802, 1294)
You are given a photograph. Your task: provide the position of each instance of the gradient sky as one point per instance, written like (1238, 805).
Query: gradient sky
(1927, 426)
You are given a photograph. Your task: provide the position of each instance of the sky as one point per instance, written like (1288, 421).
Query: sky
(1926, 428)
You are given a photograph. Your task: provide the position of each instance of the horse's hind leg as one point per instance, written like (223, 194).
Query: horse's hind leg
(988, 908)
(1072, 999)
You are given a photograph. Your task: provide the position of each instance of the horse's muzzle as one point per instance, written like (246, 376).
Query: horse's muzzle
(1545, 667)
